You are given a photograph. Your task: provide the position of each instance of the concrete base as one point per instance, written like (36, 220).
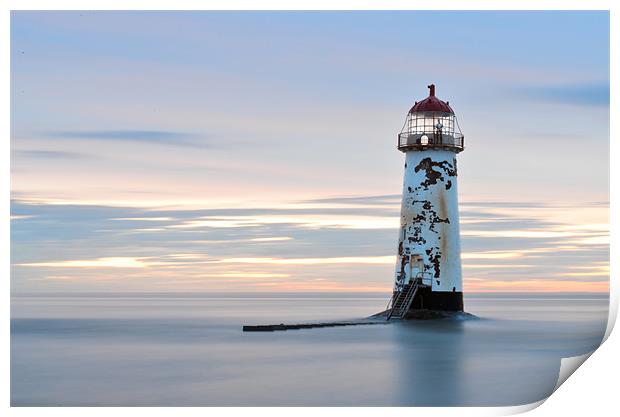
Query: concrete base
(426, 299)
(423, 314)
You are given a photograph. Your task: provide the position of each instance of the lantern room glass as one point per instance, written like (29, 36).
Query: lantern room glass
(430, 129)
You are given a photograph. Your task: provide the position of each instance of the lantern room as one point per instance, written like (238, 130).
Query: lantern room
(431, 124)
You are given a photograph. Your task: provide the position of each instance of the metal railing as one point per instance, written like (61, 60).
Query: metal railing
(426, 278)
(401, 301)
(419, 141)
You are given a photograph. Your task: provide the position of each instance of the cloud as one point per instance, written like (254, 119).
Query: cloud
(491, 255)
(356, 260)
(20, 216)
(271, 239)
(534, 285)
(113, 262)
(144, 219)
(364, 200)
(48, 154)
(340, 220)
(592, 94)
(300, 246)
(163, 137)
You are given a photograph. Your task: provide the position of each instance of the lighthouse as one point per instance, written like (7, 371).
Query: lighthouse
(428, 266)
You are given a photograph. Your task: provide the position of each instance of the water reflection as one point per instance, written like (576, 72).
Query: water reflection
(430, 359)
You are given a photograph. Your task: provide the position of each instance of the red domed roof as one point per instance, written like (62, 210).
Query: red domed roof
(431, 103)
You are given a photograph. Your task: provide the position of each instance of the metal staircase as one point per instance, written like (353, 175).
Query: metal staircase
(401, 301)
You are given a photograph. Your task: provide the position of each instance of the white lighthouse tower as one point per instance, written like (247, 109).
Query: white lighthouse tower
(428, 267)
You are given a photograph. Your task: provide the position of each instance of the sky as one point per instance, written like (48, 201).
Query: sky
(256, 151)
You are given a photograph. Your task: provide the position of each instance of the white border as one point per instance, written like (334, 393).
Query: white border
(594, 393)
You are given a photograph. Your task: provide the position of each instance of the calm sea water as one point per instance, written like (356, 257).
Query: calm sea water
(147, 350)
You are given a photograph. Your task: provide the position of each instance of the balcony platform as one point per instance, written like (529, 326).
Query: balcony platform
(422, 142)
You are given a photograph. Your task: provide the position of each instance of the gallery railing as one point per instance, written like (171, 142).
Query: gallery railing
(454, 141)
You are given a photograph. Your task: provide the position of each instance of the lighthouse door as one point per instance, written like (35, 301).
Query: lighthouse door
(417, 267)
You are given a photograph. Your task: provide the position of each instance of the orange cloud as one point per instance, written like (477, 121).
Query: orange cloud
(533, 285)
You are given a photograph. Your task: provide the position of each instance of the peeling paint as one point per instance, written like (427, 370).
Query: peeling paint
(432, 175)
(429, 219)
